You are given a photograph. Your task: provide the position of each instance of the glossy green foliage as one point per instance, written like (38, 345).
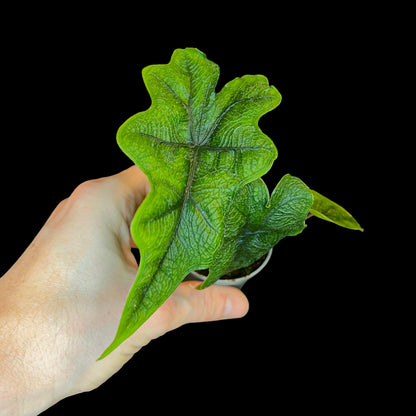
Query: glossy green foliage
(258, 221)
(204, 154)
(197, 148)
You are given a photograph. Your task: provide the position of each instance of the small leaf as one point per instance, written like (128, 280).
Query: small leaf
(328, 210)
(197, 148)
(257, 222)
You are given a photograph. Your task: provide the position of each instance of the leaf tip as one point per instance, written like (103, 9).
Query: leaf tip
(107, 351)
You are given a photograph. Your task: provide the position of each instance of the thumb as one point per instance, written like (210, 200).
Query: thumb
(133, 185)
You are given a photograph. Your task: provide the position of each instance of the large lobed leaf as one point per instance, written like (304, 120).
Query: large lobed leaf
(197, 148)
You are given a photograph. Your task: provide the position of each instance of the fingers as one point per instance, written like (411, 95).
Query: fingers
(211, 304)
(188, 305)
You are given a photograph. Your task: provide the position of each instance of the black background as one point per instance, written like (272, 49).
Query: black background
(71, 79)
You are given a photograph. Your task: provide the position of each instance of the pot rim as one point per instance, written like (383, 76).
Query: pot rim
(238, 280)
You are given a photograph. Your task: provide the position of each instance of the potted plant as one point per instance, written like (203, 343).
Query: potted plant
(208, 207)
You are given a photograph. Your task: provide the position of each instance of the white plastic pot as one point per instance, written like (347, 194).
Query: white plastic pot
(237, 282)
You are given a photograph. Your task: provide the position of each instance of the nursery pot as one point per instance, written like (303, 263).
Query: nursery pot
(237, 281)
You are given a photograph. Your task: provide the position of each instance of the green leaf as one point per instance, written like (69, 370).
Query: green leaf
(328, 210)
(197, 148)
(258, 221)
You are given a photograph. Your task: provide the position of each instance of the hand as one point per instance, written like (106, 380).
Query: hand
(61, 302)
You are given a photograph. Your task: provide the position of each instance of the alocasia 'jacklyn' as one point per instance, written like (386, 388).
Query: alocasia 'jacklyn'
(203, 154)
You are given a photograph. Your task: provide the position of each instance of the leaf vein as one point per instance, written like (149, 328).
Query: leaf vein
(163, 141)
(215, 125)
(172, 91)
(202, 213)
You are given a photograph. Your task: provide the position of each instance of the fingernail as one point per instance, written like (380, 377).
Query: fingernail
(228, 308)
(235, 307)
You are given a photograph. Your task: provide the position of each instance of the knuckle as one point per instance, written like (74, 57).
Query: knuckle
(214, 306)
(175, 312)
(86, 194)
(86, 188)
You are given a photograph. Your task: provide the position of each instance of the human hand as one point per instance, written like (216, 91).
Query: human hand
(61, 302)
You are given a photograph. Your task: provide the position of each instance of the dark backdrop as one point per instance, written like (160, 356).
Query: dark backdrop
(69, 83)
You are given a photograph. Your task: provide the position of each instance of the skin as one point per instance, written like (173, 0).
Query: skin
(61, 301)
